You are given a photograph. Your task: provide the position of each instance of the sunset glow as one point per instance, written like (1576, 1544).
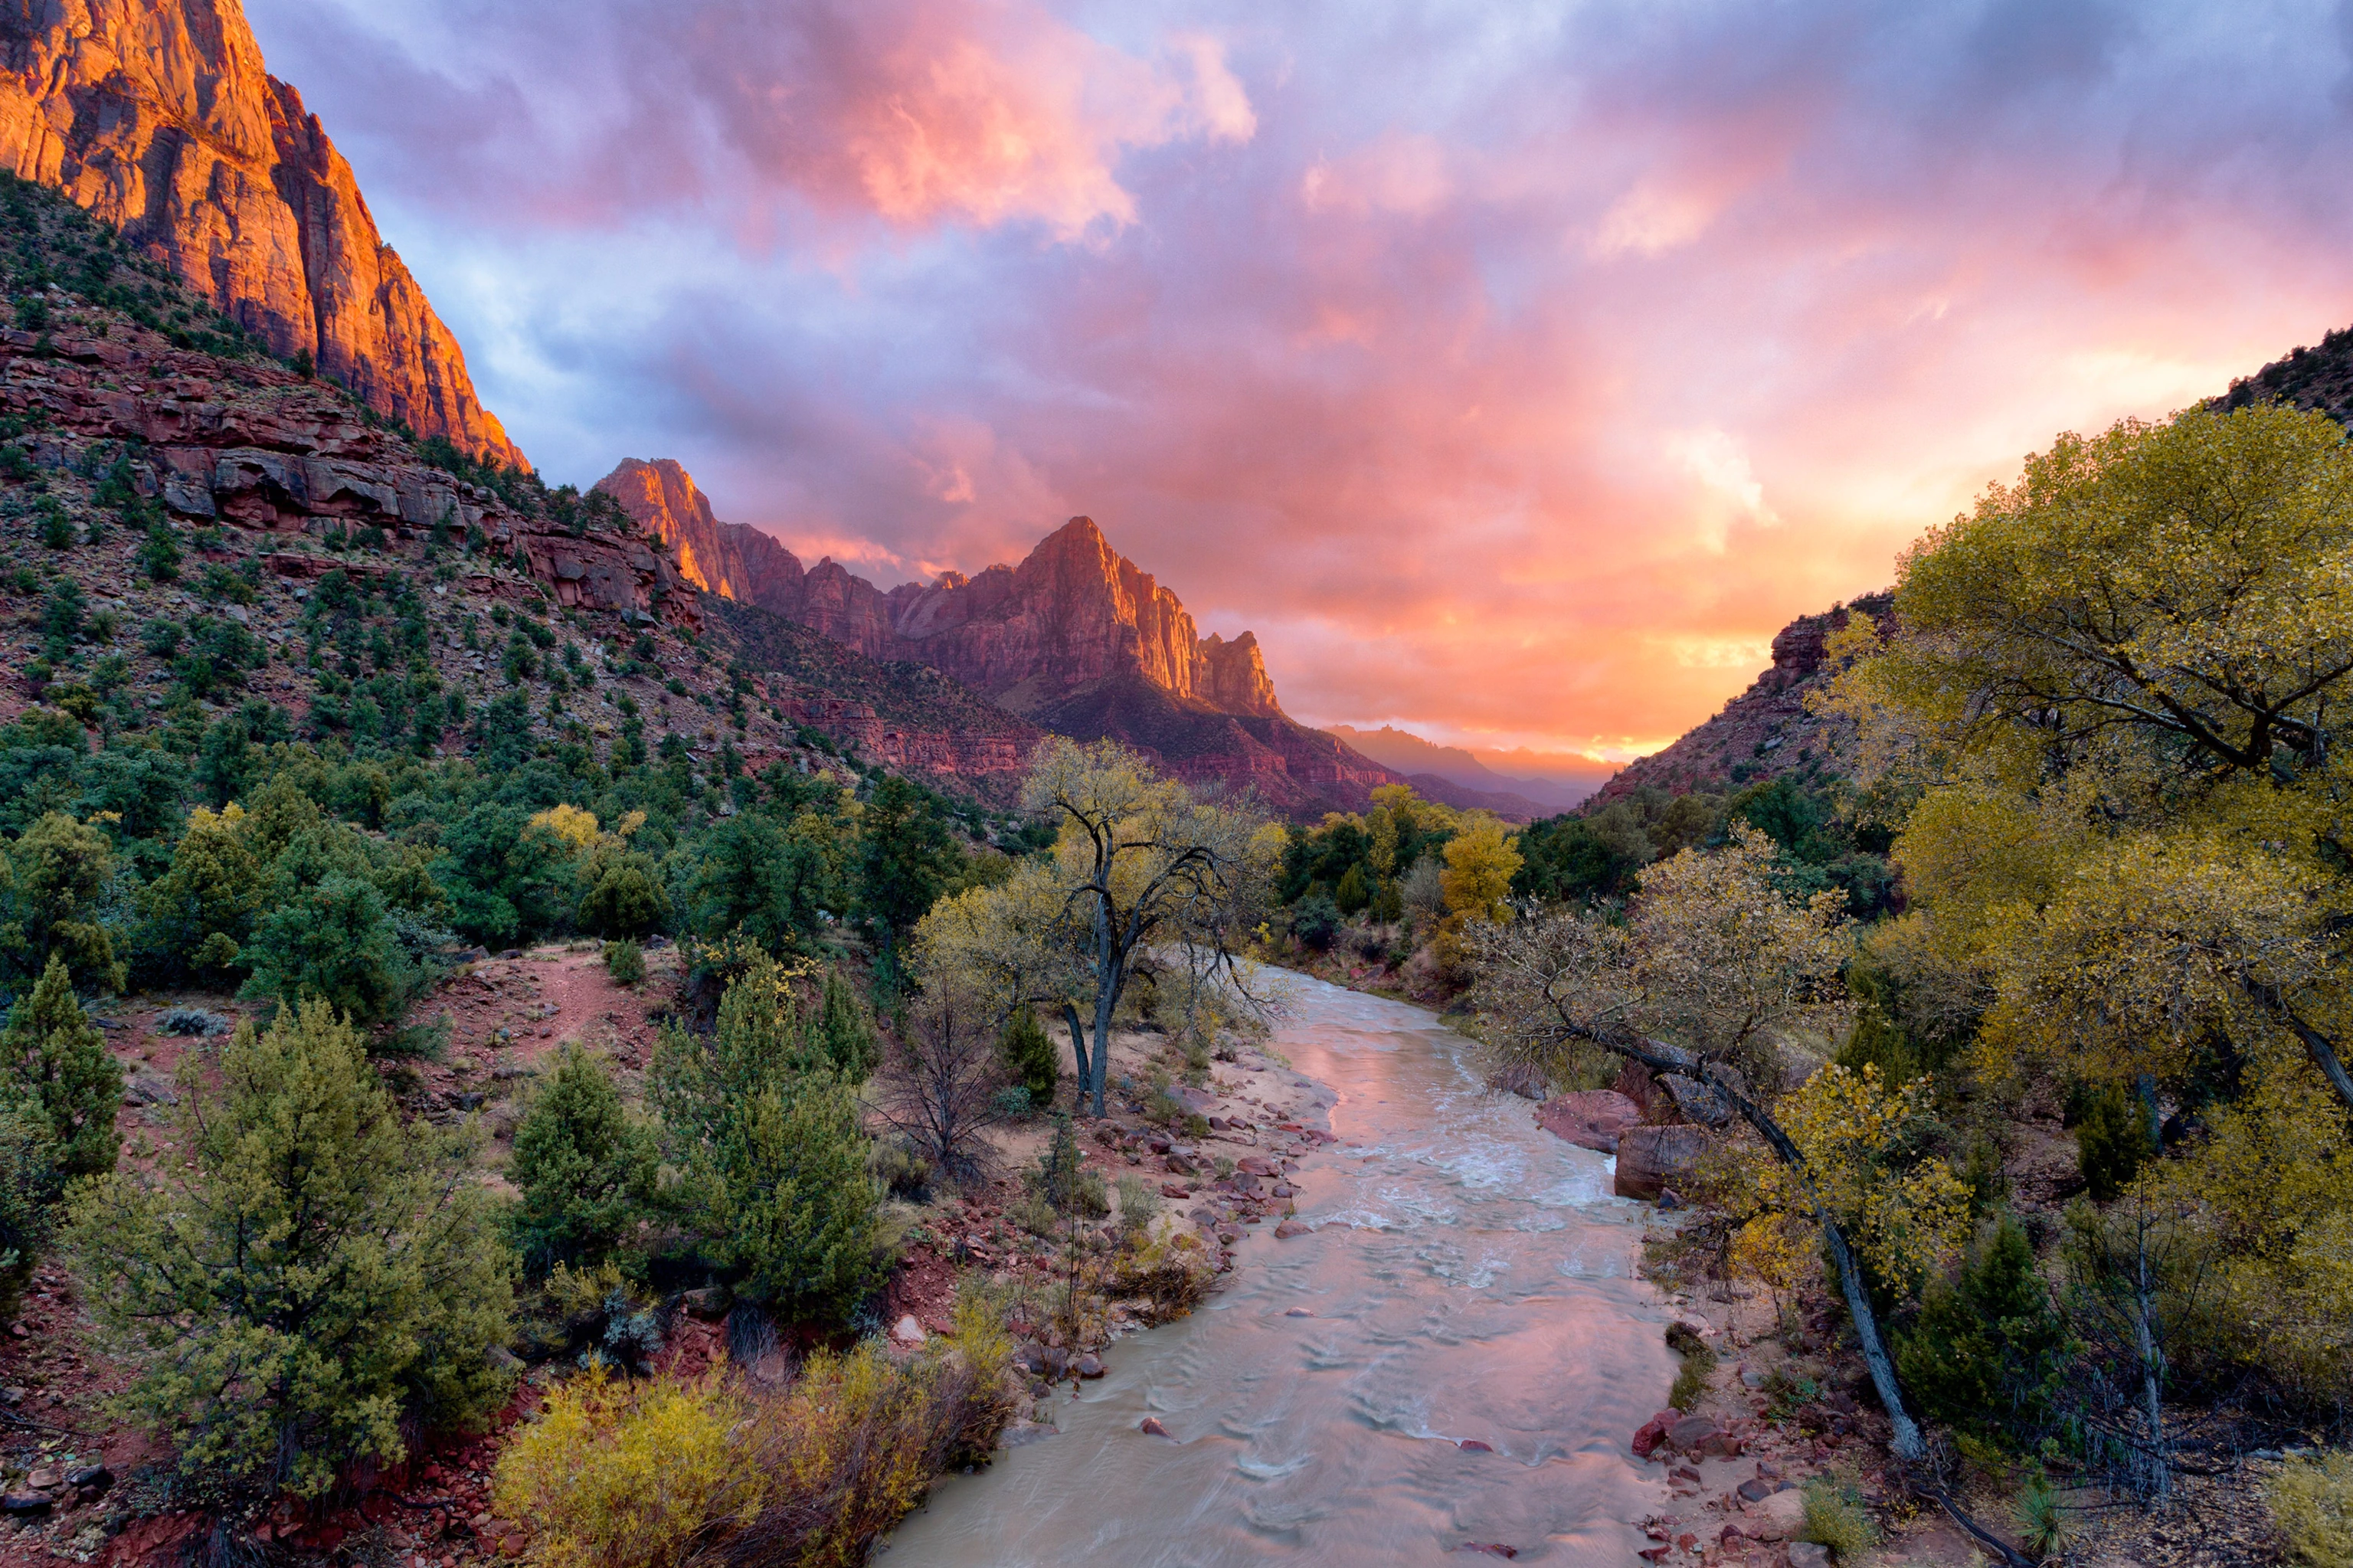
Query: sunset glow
(1515, 373)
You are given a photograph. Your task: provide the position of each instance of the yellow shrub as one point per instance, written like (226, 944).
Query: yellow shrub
(615, 1474)
(2312, 1502)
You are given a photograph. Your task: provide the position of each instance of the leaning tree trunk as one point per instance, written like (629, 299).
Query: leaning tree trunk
(1906, 1441)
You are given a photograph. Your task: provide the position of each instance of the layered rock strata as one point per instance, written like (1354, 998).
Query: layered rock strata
(157, 117)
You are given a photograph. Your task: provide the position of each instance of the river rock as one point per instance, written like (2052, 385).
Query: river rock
(1653, 1432)
(1290, 1228)
(1590, 1118)
(1087, 1366)
(1636, 1082)
(1150, 1426)
(1651, 1157)
(1776, 1518)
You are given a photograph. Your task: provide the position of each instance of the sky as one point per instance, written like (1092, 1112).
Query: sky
(1514, 371)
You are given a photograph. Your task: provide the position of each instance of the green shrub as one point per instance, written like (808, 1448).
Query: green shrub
(585, 1173)
(626, 963)
(2042, 1522)
(1139, 1205)
(624, 901)
(844, 1030)
(1315, 921)
(2111, 1141)
(322, 1278)
(1835, 1519)
(334, 940)
(1697, 1368)
(159, 553)
(1989, 1352)
(59, 1069)
(2312, 1504)
(1030, 1060)
(1062, 1182)
(29, 1184)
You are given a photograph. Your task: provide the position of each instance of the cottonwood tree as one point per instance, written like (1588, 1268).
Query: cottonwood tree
(2136, 660)
(1712, 968)
(1138, 865)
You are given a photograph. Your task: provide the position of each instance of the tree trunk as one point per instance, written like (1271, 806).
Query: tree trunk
(1906, 1443)
(2322, 1049)
(1106, 1001)
(2156, 1472)
(1078, 1047)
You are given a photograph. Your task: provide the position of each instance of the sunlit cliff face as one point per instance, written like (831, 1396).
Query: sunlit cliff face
(1513, 372)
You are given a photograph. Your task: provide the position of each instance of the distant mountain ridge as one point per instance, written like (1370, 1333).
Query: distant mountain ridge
(1076, 638)
(1411, 754)
(157, 117)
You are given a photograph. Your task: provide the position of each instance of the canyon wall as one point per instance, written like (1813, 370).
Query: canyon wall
(1073, 614)
(157, 117)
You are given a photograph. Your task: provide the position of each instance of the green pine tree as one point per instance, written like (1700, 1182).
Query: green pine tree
(57, 1064)
(1030, 1057)
(844, 1030)
(322, 1279)
(585, 1170)
(1989, 1351)
(785, 1198)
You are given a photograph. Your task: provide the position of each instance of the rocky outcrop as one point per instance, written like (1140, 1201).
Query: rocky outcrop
(250, 445)
(1652, 1158)
(157, 117)
(1764, 732)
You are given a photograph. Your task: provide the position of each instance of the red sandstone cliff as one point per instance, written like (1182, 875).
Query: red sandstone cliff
(1074, 614)
(157, 117)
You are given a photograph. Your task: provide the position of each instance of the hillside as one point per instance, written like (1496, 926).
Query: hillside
(1514, 794)
(195, 533)
(2317, 377)
(1764, 732)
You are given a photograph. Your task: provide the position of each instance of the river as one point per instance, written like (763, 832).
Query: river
(1481, 1291)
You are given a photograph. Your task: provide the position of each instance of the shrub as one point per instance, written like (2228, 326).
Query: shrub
(1692, 1383)
(1835, 1519)
(616, 1474)
(625, 901)
(1063, 1182)
(29, 1183)
(1989, 1352)
(2111, 1141)
(1315, 921)
(781, 1197)
(59, 1069)
(585, 1173)
(2042, 1522)
(1139, 1205)
(323, 1277)
(844, 1030)
(2311, 1503)
(626, 963)
(1030, 1057)
(334, 941)
(160, 553)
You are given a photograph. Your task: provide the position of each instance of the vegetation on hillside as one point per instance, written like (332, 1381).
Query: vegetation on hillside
(2096, 858)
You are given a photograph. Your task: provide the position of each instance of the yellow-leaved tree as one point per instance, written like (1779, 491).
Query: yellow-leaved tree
(1713, 975)
(1140, 873)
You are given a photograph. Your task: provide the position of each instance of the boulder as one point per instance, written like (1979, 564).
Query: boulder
(1634, 1081)
(1809, 1554)
(1089, 1366)
(708, 1302)
(907, 1331)
(1776, 1518)
(1691, 1435)
(1290, 1228)
(1649, 1157)
(1653, 1432)
(25, 1502)
(1590, 1118)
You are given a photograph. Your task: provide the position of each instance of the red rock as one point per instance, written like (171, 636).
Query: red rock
(1590, 1118)
(1690, 1432)
(1151, 1428)
(157, 116)
(1651, 1433)
(1290, 1228)
(1649, 1157)
(1473, 1445)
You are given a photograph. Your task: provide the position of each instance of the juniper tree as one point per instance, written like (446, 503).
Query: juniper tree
(58, 1067)
(321, 1282)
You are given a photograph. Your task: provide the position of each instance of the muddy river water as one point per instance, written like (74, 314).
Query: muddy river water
(1481, 1291)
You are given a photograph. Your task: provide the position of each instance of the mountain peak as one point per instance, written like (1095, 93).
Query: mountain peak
(157, 118)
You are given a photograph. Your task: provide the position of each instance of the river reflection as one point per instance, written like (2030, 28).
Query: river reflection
(1481, 1291)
